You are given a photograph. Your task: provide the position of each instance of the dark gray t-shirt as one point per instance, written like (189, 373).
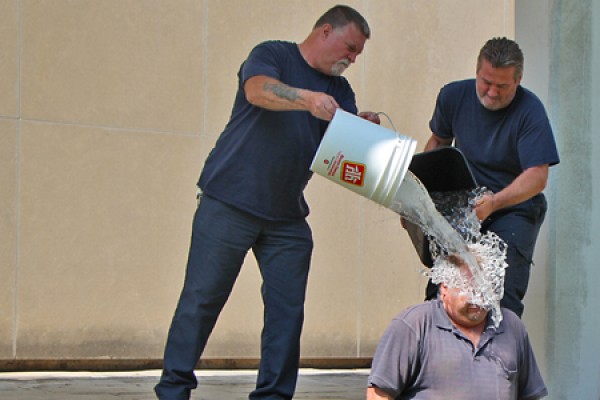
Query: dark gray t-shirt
(423, 356)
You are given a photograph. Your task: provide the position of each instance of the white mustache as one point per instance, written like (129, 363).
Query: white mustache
(345, 62)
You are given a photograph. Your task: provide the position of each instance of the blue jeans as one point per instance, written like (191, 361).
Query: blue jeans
(221, 238)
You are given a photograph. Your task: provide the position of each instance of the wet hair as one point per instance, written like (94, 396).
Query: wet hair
(502, 53)
(340, 16)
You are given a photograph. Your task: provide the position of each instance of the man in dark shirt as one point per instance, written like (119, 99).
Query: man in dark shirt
(252, 198)
(504, 133)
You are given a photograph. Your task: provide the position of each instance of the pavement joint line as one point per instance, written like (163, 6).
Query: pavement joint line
(35, 375)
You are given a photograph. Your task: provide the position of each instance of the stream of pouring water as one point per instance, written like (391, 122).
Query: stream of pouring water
(413, 202)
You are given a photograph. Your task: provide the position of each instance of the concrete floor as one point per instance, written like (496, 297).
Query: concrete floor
(138, 385)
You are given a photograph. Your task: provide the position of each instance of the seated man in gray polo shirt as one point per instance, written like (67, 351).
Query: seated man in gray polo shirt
(448, 348)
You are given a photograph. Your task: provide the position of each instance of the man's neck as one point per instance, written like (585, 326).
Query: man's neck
(306, 52)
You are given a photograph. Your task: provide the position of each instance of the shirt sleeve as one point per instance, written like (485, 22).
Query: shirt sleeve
(441, 120)
(531, 384)
(262, 60)
(536, 142)
(395, 363)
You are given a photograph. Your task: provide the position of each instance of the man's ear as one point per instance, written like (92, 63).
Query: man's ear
(326, 30)
(443, 288)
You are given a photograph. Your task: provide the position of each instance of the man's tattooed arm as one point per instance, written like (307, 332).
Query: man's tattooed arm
(282, 90)
(271, 94)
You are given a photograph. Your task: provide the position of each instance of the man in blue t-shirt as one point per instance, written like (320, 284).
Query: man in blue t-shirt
(504, 133)
(252, 198)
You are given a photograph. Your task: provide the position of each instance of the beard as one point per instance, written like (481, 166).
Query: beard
(339, 67)
(494, 103)
(490, 105)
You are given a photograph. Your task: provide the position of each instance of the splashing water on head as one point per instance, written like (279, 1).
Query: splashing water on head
(489, 250)
(450, 222)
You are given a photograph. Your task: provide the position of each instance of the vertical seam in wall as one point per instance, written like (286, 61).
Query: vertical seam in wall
(504, 17)
(204, 71)
(361, 234)
(506, 9)
(359, 277)
(18, 182)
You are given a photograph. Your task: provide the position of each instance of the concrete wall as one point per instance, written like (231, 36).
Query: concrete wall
(107, 111)
(561, 40)
(571, 41)
(532, 32)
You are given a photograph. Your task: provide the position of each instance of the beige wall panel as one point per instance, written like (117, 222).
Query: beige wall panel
(9, 61)
(333, 301)
(105, 214)
(105, 225)
(8, 234)
(390, 280)
(418, 46)
(118, 63)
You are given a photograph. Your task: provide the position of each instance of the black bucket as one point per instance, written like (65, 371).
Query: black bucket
(444, 169)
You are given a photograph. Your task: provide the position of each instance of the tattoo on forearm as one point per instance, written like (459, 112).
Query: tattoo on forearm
(283, 91)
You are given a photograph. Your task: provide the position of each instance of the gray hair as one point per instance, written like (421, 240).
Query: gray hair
(340, 16)
(502, 53)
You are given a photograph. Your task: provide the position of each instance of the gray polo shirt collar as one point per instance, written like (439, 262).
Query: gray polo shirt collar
(442, 321)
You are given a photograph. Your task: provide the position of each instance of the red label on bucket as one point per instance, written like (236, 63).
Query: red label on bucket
(353, 173)
(335, 163)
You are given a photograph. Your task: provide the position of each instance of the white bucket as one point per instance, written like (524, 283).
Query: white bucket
(364, 157)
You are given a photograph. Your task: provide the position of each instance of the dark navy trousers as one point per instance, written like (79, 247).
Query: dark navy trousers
(221, 238)
(519, 228)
